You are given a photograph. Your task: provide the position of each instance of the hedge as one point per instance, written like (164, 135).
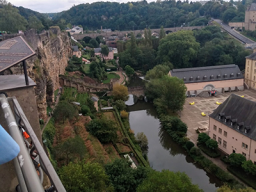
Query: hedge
(208, 151)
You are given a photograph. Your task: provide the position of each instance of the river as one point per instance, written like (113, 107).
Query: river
(163, 153)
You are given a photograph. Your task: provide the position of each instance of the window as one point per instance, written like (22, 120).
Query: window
(214, 127)
(214, 138)
(247, 76)
(224, 144)
(225, 133)
(244, 154)
(244, 146)
(219, 140)
(220, 130)
(254, 78)
(255, 151)
(254, 71)
(247, 69)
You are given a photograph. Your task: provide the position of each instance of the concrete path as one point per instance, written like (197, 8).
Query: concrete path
(122, 77)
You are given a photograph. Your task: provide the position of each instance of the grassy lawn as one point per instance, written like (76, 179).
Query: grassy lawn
(111, 76)
(86, 67)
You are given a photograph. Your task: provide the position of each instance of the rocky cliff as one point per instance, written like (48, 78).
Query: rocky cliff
(53, 48)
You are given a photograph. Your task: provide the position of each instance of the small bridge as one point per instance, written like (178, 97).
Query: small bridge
(136, 32)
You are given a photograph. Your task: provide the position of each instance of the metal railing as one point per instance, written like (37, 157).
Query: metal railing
(24, 166)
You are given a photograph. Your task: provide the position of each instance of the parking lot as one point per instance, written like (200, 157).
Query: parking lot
(191, 114)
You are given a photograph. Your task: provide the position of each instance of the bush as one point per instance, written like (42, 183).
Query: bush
(85, 110)
(209, 152)
(124, 114)
(173, 124)
(63, 111)
(202, 138)
(213, 168)
(225, 159)
(194, 151)
(211, 144)
(189, 145)
(120, 105)
(249, 167)
(236, 159)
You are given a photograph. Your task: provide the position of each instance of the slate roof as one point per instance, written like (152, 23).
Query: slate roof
(207, 74)
(252, 7)
(97, 50)
(252, 56)
(239, 110)
(75, 48)
(93, 98)
(13, 51)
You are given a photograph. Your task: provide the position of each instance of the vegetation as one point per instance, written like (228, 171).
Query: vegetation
(104, 129)
(124, 114)
(142, 140)
(166, 180)
(226, 188)
(129, 70)
(111, 76)
(120, 105)
(157, 72)
(84, 176)
(120, 92)
(63, 111)
(236, 159)
(208, 145)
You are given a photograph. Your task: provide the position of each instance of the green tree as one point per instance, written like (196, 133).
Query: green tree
(94, 43)
(189, 145)
(180, 48)
(202, 138)
(70, 149)
(236, 159)
(35, 23)
(82, 176)
(104, 129)
(226, 188)
(228, 15)
(162, 33)
(249, 167)
(123, 177)
(63, 111)
(166, 181)
(142, 140)
(157, 72)
(120, 92)
(104, 50)
(172, 123)
(120, 105)
(129, 70)
(85, 110)
(211, 144)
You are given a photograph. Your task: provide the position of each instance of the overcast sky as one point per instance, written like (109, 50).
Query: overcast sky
(52, 6)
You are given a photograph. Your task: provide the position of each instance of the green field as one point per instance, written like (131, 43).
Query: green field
(86, 68)
(111, 76)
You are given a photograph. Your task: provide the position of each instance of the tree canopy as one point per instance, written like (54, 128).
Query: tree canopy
(64, 110)
(120, 92)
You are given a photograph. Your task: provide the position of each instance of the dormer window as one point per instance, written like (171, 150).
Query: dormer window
(238, 74)
(198, 77)
(218, 76)
(247, 129)
(191, 78)
(205, 77)
(238, 127)
(232, 75)
(212, 77)
(184, 78)
(225, 75)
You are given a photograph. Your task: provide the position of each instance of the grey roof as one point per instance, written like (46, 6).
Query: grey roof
(75, 48)
(13, 51)
(207, 74)
(239, 110)
(252, 56)
(93, 98)
(106, 108)
(252, 7)
(97, 50)
(14, 81)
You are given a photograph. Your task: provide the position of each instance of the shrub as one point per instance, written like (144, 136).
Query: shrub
(209, 152)
(195, 151)
(211, 144)
(63, 111)
(249, 167)
(124, 114)
(85, 110)
(173, 124)
(120, 105)
(236, 159)
(202, 138)
(213, 168)
(189, 145)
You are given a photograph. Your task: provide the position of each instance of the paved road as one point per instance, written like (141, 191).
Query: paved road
(235, 33)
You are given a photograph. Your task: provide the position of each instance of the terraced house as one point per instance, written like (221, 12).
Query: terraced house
(233, 126)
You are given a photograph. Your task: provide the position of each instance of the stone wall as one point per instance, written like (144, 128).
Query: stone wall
(53, 48)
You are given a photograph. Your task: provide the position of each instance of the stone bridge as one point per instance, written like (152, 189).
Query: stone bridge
(83, 86)
(137, 91)
(136, 32)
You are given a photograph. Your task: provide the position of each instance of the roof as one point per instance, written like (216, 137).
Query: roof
(13, 51)
(93, 98)
(14, 81)
(252, 56)
(252, 7)
(75, 48)
(97, 50)
(239, 110)
(206, 74)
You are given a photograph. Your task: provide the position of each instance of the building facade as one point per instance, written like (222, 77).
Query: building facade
(233, 126)
(250, 71)
(220, 78)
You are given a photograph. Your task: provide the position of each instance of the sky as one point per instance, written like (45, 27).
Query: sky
(53, 6)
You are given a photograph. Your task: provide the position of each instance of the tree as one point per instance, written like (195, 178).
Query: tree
(84, 176)
(142, 140)
(35, 23)
(104, 129)
(162, 33)
(161, 90)
(211, 144)
(166, 181)
(85, 110)
(129, 70)
(104, 50)
(63, 111)
(123, 177)
(226, 188)
(236, 159)
(94, 43)
(228, 15)
(70, 149)
(120, 92)
(202, 138)
(180, 48)
(120, 105)
(172, 123)
(249, 167)
(157, 72)
(124, 114)
(189, 145)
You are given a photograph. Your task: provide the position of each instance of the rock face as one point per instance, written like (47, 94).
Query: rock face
(53, 49)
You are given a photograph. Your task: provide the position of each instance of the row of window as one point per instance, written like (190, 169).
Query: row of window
(220, 141)
(220, 130)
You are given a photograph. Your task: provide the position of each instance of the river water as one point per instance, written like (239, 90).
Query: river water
(163, 153)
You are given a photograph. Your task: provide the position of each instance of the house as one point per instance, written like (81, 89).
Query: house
(250, 71)
(86, 61)
(76, 51)
(76, 30)
(219, 78)
(249, 19)
(233, 126)
(110, 56)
